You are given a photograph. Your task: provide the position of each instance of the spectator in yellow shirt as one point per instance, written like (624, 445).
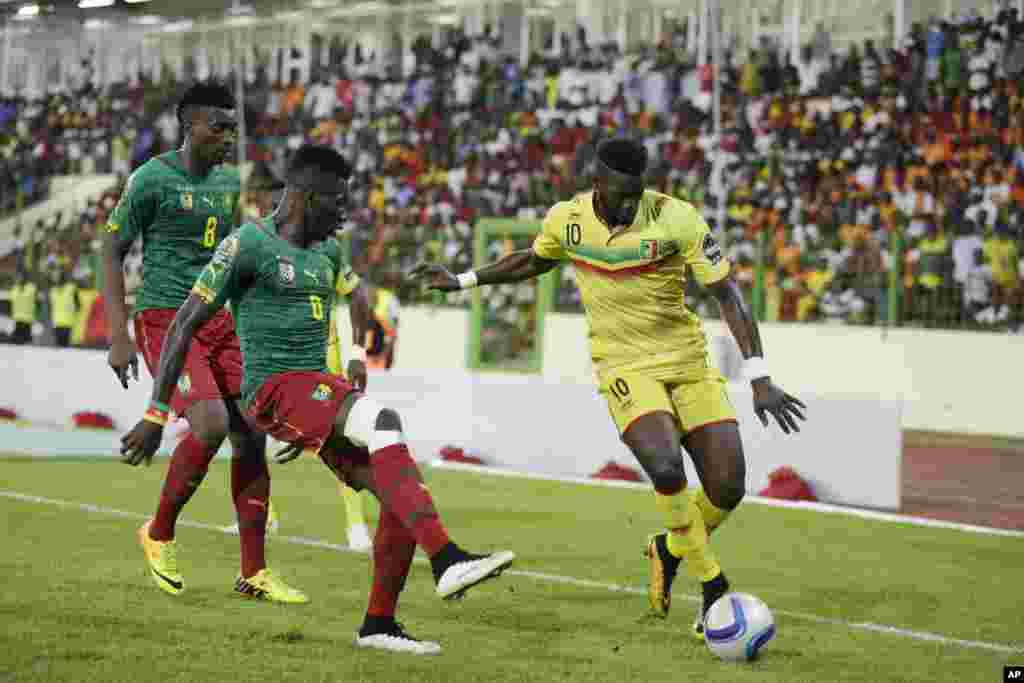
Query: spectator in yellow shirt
(1002, 254)
(24, 295)
(64, 308)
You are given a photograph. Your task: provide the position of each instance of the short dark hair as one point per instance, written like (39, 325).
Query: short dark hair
(209, 94)
(318, 158)
(623, 155)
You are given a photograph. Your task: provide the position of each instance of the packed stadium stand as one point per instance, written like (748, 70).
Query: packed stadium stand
(866, 185)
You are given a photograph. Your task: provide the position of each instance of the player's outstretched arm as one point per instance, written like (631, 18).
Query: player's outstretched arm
(768, 398)
(141, 442)
(515, 267)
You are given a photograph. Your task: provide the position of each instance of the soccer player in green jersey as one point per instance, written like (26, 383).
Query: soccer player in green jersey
(279, 275)
(182, 204)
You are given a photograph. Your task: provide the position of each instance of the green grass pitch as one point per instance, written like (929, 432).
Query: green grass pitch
(76, 605)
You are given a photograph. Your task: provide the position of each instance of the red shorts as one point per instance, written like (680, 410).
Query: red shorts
(213, 367)
(299, 407)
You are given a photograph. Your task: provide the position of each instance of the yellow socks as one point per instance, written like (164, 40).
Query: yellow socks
(687, 534)
(713, 516)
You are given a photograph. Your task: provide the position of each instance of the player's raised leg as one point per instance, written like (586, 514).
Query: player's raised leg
(398, 484)
(717, 454)
(654, 440)
(394, 546)
(408, 518)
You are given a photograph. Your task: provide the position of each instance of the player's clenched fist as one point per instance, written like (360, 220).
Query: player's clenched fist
(140, 444)
(434, 277)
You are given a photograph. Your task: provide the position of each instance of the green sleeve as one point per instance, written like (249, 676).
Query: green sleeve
(135, 211)
(232, 267)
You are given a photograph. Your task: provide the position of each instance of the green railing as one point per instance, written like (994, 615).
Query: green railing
(892, 292)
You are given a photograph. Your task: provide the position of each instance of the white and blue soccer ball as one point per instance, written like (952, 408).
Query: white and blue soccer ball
(737, 626)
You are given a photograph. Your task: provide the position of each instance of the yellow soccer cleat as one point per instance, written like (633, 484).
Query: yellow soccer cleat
(265, 585)
(162, 559)
(661, 572)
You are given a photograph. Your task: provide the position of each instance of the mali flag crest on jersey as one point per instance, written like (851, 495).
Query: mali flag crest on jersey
(656, 249)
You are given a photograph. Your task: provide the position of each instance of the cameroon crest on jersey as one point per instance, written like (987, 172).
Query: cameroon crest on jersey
(322, 392)
(286, 271)
(186, 201)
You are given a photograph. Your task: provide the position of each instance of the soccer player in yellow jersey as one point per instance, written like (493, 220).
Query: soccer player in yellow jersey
(633, 249)
(358, 532)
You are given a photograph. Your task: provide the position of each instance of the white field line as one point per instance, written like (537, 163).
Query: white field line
(549, 578)
(757, 500)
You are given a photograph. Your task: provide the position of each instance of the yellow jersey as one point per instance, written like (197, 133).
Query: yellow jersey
(63, 302)
(1002, 254)
(23, 302)
(632, 282)
(346, 283)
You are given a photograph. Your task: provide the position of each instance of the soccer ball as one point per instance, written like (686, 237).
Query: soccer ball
(737, 626)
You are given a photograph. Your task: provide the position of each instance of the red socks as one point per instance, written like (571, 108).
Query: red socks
(188, 466)
(398, 482)
(250, 489)
(393, 549)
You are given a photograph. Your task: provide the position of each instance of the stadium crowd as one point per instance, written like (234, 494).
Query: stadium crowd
(841, 165)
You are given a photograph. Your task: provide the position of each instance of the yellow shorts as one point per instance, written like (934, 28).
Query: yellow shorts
(695, 397)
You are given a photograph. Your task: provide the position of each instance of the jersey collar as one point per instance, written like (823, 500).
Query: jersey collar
(612, 234)
(173, 160)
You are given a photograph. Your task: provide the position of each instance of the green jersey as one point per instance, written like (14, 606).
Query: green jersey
(181, 219)
(281, 299)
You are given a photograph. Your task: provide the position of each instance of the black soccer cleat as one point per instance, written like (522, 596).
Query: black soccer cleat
(713, 590)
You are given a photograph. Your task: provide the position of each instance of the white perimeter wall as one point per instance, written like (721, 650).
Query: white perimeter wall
(863, 387)
(958, 382)
(519, 422)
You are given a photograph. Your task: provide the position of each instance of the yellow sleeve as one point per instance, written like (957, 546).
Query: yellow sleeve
(548, 243)
(701, 251)
(334, 347)
(347, 281)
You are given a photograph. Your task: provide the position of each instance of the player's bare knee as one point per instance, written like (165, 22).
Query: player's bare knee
(666, 473)
(388, 421)
(373, 426)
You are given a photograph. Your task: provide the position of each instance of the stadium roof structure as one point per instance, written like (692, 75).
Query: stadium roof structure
(845, 19)
(116, 11)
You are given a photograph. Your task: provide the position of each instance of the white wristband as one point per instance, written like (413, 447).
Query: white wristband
(358, 353)
(466, 280)
(755, 367)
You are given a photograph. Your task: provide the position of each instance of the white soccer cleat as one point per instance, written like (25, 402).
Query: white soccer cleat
(397, 640)
(461, 576)
(359, 538)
